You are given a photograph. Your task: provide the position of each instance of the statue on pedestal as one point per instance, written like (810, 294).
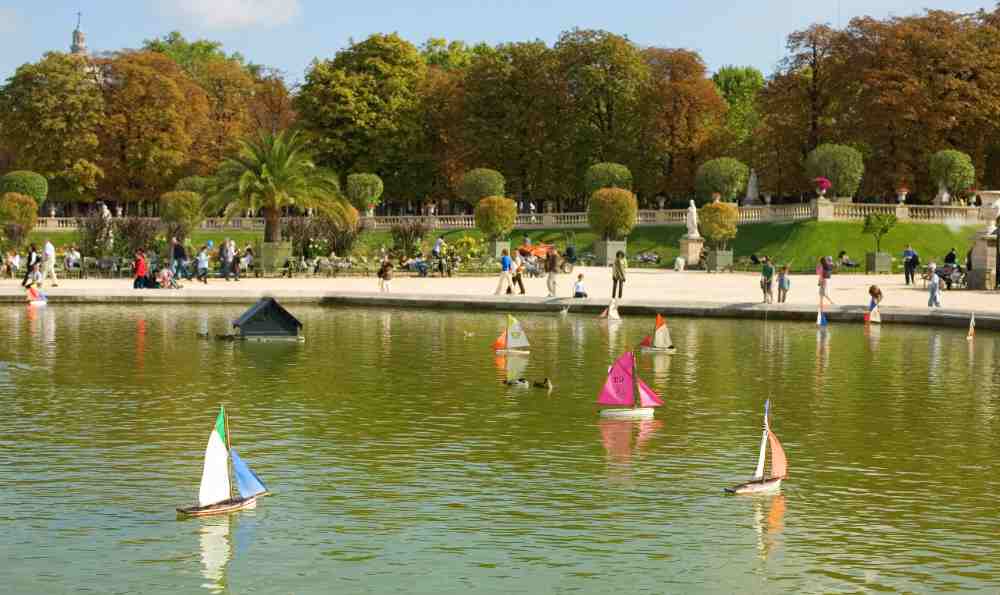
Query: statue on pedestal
(692, 222)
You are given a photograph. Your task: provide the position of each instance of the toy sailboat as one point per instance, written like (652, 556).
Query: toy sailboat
(35, 297)
(779, 463)
(821, 318)
(972, 328)
(659, 341)
(611, 312)
(874, 316)
(512, 339)
(215, 494)
(625, 394)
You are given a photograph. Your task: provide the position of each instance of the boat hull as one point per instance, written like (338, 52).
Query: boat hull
(224, 507)
(659, 349)
(761, 486)
(517, 351)
(628, 413)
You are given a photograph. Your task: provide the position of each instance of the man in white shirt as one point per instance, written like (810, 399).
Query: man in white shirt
(49, 264)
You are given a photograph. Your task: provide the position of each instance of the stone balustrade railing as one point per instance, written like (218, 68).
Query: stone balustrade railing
(825, 211)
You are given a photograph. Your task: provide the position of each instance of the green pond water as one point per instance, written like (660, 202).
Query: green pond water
(398, 462)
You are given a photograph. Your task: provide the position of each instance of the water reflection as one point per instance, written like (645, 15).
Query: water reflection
(616, 436)
(216, 551)
(769, 528)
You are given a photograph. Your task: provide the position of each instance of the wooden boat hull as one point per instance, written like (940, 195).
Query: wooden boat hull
(37, 303)
(659, 349)
(224, 507)
(760, 486)
(516, 351)
(628, 413)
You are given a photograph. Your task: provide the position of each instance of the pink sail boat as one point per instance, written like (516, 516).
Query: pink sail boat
(779, 463)
(625, 395)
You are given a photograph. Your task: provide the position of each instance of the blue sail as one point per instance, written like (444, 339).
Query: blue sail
(250, 485)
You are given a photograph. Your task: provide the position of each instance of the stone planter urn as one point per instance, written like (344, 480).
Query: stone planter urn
(605, 250)
(767, 198)
(901, 196)
(719, 260)
(878, 262)
(272, 255)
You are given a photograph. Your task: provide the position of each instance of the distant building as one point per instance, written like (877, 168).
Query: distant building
(79, 45)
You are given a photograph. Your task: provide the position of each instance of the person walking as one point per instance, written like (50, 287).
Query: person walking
(910, 263)
(506, 265)
(784, 284)
(34, 259)
(824, 269)
(49, 264)
(516, 279)
(203, 259)
(767, 280)
(618, 275)
(226, 258)
(178, 259)
(551, 269)
(934, 286)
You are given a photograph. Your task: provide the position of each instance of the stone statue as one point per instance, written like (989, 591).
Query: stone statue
(692, 221)
(994, 214)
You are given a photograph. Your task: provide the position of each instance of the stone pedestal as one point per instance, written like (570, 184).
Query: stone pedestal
(605, 251)
(984, 262)
(691, 250)
(822, 209)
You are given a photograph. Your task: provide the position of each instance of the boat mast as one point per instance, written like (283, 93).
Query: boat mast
(636, 402)
(229, 457)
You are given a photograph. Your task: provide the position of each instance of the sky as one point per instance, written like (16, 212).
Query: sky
(289, 34)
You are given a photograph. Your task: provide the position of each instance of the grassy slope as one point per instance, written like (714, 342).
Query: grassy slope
(798, 244)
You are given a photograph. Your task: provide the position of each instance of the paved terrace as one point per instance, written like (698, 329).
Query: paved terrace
(692, 293)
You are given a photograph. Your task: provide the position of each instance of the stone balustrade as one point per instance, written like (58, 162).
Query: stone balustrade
(822, 211)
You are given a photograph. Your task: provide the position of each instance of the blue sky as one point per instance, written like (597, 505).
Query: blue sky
(288, 34)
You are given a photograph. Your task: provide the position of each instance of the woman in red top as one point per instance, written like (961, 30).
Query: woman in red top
(140, 270)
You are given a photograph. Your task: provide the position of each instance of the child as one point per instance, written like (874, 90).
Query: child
(767, 280)
(579, 290)
(876, 297)
(385, 276)
(934, 285)
(784, 284)
(203, 265)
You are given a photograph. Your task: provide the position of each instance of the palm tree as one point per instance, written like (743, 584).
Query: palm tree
(271, 172)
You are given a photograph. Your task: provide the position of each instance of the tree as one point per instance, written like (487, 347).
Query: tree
(25, 182)
(739, 86)
(49, 116)
(271, 106)
(273, 172)
(18, 215)
(953, 170)
(364, 190)
(154, 113)
(718, 223)
(191, 56)
(229, 89)
(840, 164)
(361, 109)
(606, 175)
(612, 213)
(725, 176)
(480, 183)
(496, 216)
(197, 184)
(877, 225)
(182, 212)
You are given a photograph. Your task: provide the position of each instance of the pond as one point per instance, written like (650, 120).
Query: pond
(398, 461)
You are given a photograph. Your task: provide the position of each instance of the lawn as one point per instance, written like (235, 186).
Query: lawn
(798, 244)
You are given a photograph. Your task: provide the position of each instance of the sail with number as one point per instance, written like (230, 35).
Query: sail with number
(215, 475)
(618, 387)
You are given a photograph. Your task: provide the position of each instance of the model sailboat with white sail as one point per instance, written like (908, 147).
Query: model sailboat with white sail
(512, 339)
(659, 341)
(215, 494)
(625, 395)
(779, 463)
(611, 312)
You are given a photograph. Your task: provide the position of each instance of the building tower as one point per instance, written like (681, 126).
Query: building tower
(79, 46)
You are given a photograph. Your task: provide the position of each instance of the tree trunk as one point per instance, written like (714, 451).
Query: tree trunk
(272, 225)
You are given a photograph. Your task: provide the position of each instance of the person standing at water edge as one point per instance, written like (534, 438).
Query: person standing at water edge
(505, 270)
(824, 269)
(49, 263)
(767, 280)
(140, 268)
(203, 265)
(385, 277)
(784, 284)
(618, 275)
(226, 258)
(178, 259)
(32, 266)
(551, 268)
(934, 287)
(516, 278)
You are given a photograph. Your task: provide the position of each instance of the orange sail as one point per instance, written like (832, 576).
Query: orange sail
(501, 342)
(660, 321)
(779, 463)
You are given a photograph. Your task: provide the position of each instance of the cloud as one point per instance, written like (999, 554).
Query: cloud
(234, 14)
(10, 20)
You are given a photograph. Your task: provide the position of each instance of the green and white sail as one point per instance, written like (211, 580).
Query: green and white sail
(215, 476)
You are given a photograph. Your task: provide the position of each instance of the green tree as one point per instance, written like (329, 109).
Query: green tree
(612, 213)
(50, 112)
(842, 165)
(364, 190)
(362, 110)
(740, 86)
(606, 175)
(273, 172)
(182, 212)
(725, 176)
(496, 216)
(877, 225)
(953, 170)
(480, 183)
(25, 182)
(18, 215)
(198, 184)
(718, 223)
(192, 56)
